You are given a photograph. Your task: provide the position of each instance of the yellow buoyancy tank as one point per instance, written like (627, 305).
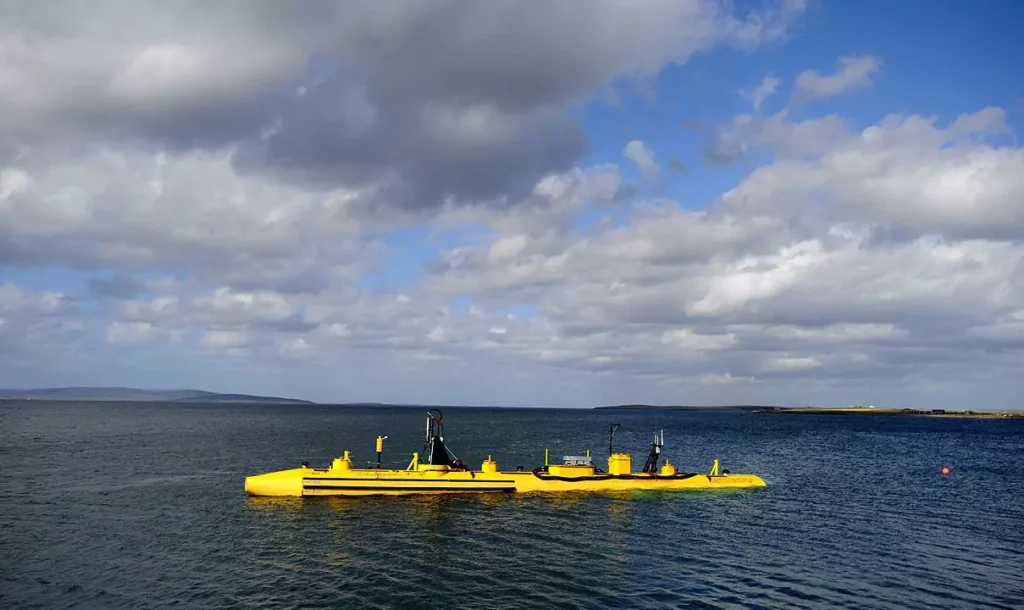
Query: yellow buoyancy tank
(620, 463)
(489, 466)
(342, 463)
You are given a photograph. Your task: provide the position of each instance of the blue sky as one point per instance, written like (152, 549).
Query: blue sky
(307, 253)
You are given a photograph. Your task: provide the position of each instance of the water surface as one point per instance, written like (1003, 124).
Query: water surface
(142, 506)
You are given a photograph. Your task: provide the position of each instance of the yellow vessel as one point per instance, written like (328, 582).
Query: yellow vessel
(441, 472)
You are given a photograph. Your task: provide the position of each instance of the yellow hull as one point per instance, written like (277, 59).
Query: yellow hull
(362, 482)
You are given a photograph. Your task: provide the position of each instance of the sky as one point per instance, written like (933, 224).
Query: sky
(795, 202)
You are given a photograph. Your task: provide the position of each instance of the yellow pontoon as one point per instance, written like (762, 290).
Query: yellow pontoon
(442, 472)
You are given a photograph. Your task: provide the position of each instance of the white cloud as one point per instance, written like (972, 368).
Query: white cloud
(139, 333)
(639, 153)
(852, 73)
(336, 330)
(296, 348)
(758, 95)
(13, 181)
(192, 212)
(987, 121)
(507, 247)
(689, 340)
(225, 339)
(724, 379)
(749, 134)
(756, 278)
(791, 363)
(905, 174)
(243, 305)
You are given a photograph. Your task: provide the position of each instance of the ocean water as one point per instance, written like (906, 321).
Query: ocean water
(142, 506)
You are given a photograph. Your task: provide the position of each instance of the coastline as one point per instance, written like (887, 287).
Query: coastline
(871, 411)
(853, 411)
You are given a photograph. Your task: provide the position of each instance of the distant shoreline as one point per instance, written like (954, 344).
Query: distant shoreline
(867, 411)
(200, 397)
(643, 407)
(854, 411)
(122, 394)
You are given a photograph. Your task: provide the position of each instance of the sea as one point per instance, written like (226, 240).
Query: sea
(129, 505)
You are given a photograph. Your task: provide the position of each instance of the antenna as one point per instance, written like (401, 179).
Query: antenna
(651, 466)
(611, 435)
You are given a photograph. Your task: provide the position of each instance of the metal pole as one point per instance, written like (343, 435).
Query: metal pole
(611, 434)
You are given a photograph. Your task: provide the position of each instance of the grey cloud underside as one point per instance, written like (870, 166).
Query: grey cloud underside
(120, 286)
(430, 101)
(420, 166)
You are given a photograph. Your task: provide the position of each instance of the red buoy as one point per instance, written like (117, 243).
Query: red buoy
(945, 471)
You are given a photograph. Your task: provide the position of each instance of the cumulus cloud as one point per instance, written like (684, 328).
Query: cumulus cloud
(852, 73)
(797, 259)
(904, 177)
(193, 212)
(748, 135)
(640, 154)
(139, 334)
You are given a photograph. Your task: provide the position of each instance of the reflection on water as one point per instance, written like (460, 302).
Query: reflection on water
(855, 515)
(275, 504)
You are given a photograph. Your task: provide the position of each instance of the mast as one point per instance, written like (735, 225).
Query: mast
(651, 466)
(434, 450)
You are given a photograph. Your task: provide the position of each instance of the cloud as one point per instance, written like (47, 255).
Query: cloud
(687, 339)
(852, 73)
(139, 334)
(120, 286)
(749, 134)
(724, 379)
(797, 259)
(32, 321)
(757, 95)
(190, 212)
(843, 263)
(361, 95)
(902, 178)
(639, 153)
(792, 364)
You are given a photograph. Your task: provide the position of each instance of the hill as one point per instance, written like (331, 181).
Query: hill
(120, 394)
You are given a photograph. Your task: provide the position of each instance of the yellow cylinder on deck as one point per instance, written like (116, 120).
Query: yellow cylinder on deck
(342, 463)
(620, 463)
(667, 470)
(489, 465)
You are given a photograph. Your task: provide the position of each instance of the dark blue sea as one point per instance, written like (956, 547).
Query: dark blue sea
(142, 506)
